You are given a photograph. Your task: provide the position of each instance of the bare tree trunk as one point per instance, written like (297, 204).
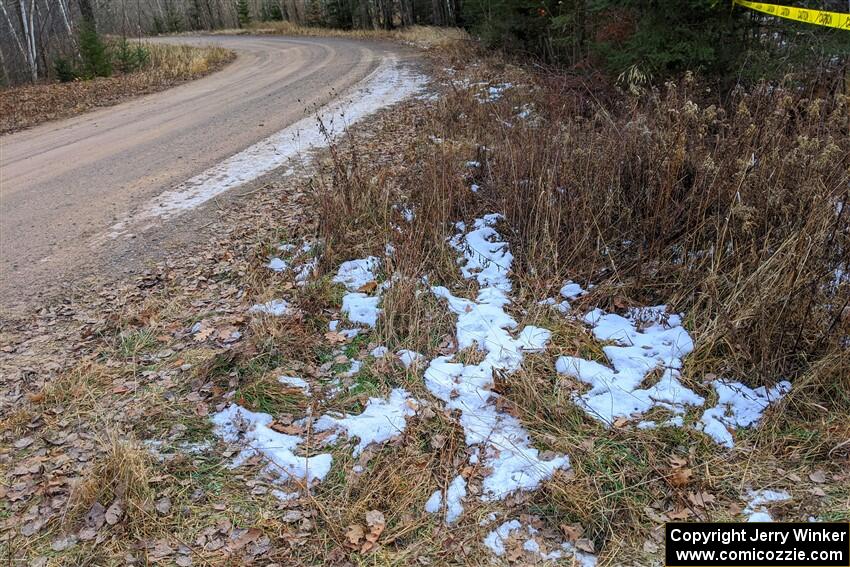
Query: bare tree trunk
(4, 73)
(13, 30)
(45, 30)
(28, 27)
(87, 11)
(63, 8)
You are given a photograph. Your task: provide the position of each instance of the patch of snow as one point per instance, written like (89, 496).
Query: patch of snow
(738, 406)
(572, 290)
(275, 308)
(285, 496)
(455, 494)
(756, 509)
(676, 421)
(235, 424)
(295, 382)
(650, 340)
(306, 270)
(355, 367)
(514, 463)
(388, 84)
(560, 306)
(361, 308)
(354, 274)
(639, 349)
(494, 92)
(277, 264)
(534, 339)
(525, 111)
(350, 333)
(332, 326)
(434, 502)
(496, 539)
(454, 497)
(381, 421)
(409, 357)
(581, 558)
(379, 351)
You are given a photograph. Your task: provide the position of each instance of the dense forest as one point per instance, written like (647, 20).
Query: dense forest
(648, 40)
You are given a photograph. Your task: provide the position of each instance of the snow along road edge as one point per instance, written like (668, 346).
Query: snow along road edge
(388, 84)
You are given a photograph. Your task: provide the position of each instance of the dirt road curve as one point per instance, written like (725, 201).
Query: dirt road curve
(64, 184)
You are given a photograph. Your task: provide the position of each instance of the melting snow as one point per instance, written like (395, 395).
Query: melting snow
(381, 421)
(275, 307)
(514, 463)
(277, 264)
(285, 496)
(494, 92)
(561, 306)
(355, 367)
(354, 274)
(379, 351)
(738, 406)
(388, 84)
(305, 270)
(361, 308)
(455, 494)
(497, 540)
(295, 382)
(616, 392)
(756, 509)
(651, 340)
(409, 357)
(236, 424)
(350, 333)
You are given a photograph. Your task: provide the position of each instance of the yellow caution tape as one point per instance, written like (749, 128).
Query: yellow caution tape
(818, 17)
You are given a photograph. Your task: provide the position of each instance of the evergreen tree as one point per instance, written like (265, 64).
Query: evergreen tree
(96, 61)
(340, 14)
(670, 36)
(243, 12)
(271, 11)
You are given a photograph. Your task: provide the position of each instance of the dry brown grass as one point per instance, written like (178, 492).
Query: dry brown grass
(27, 106)
(426, 37)
(655, 200)
(655, 172)
(122, 474)
(182, 62)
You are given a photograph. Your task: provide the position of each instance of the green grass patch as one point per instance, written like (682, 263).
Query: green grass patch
(132, 343)
(267, 395)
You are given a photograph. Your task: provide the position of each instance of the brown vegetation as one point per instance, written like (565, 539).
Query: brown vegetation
(169, 65)
(732, 214)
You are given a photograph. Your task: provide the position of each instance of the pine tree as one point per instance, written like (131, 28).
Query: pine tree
(94, 53)
(271, 11)
(243, 12)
